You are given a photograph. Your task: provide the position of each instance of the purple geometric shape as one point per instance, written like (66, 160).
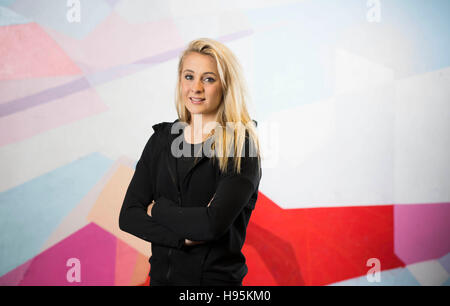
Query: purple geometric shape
(44, 96)
(445, 262)
(112, 3)
(421, 231)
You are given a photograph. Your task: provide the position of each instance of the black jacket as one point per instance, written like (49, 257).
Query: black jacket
(181, 213)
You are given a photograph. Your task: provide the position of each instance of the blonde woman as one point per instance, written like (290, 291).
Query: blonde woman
(196, 182)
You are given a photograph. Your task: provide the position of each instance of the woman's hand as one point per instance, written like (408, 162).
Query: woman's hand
(211, 200)
(149, 208)
(188, 242)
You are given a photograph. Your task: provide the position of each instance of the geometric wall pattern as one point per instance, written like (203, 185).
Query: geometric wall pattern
(352, 103)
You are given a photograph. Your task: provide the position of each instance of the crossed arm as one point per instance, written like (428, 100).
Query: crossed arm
(187, 242)
(162, 221)
(202, 222)
(133, 216)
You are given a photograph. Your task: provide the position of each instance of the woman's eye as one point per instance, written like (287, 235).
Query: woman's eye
(190, 77)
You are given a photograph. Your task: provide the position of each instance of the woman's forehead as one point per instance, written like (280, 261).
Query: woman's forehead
(199, 63)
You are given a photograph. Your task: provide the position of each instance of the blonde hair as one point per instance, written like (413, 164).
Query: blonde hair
(232, 108)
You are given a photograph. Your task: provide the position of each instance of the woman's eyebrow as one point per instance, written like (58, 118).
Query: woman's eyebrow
(189, 70)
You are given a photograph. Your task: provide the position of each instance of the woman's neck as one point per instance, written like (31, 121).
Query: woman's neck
(201, 126)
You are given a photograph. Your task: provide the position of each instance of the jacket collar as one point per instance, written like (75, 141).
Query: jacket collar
(172, 162)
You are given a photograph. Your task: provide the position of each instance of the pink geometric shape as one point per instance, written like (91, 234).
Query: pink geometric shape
(26, 51)
(129, 42)
(92, 246)
(14, 277)
(125, 262)
(16, 89)
(421, 231)
(35, 120)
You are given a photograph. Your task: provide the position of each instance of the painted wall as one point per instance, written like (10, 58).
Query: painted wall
(352, 100)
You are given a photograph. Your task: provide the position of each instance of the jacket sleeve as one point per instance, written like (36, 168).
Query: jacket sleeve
(133, 214)
(233, 193)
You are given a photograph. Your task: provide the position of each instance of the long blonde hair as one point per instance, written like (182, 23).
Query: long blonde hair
(232, 108)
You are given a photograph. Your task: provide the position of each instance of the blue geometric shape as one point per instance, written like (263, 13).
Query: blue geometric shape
(445, 262)
(32, 211)
(53, 14)
(9, 17)
(6, 2)
(393, 277)
(294, 61)
(427, 24)
(295, 45)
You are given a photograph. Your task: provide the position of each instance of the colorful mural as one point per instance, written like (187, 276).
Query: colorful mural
(352, 103)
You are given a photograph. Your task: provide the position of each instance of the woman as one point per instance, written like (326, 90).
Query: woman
(197, 180)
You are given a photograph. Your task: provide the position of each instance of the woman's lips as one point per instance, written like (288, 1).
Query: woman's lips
(196, 101)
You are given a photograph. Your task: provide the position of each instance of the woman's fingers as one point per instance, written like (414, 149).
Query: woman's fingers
(149, 208)
(211, 200)
(188, 242)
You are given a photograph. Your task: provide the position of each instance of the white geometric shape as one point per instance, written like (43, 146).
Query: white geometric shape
(304, 130)
(141, 11)
(336, 152)
(356, 73)
(422, 139)
(429, 273)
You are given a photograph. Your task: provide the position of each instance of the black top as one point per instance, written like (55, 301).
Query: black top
(181, 212)
(191, 154)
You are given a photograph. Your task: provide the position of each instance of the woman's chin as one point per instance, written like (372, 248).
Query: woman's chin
(194, 109)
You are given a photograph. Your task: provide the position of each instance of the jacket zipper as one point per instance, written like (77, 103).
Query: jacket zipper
(175, 181)
(168, 269)
(179, 203)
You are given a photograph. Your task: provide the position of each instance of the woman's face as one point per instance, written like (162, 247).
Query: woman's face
(201, 88)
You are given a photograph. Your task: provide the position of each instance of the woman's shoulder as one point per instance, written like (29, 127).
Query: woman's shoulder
(164, 125)
(165, 132)
(160, 132)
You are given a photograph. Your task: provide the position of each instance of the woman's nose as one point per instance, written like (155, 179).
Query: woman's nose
(197, 86)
